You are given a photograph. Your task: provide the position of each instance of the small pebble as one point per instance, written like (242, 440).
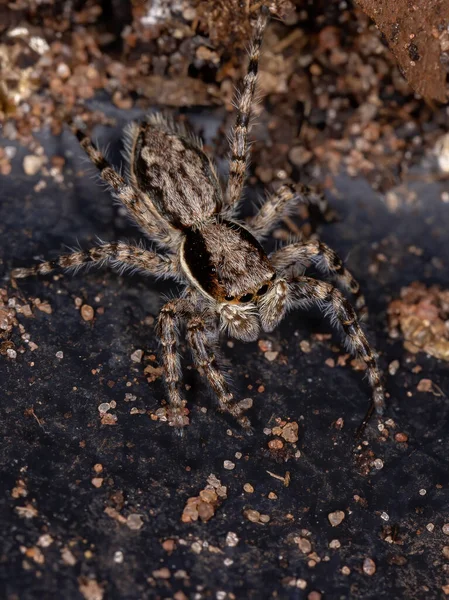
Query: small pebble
(231, 539)
(32, 164)
(346, 570)
(385, 516)
(104, 407)
(196, 547)
(401, 437)
(134, 521)
(378, 463)
(137, 356)
(252, 515)
(335, 518)
(59, 354)
(271, 356)
(97, 482)
(275, 444)
(314, 596)
(422, 492)
(10, 353)
(118, 557)
(264, 518)
(87, 312)
(369, 566)
(304, 545)
(248, 488)
(445, 529)
(229, 465)
(430, 527)
(305, 346)
(445, 551)
(334, 544)
(393, 367)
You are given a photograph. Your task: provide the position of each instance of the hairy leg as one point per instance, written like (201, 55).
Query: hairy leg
(282, 204)
(172, 314)
(140, 207)
(118, 254)
(303, 292)
(200, 340)
(324, 259)
(239, 140)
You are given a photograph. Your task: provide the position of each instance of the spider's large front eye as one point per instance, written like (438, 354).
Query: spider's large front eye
(246, 298)
(262, 290)
(229, 298)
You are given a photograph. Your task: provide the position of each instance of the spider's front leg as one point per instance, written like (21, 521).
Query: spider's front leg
(325, 260)
(201, 337)
(283, 203)
(239, 140)
(303, 292)
(118, 254)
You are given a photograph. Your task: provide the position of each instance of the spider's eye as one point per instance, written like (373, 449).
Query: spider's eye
(262, 290)
(246, 298)
(229, 298)
(273, 277)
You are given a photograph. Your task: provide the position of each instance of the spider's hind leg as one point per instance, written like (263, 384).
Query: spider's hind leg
(118, 254)
(138, 204)
(172, 314)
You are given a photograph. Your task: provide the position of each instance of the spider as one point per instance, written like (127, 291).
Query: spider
(172, 191)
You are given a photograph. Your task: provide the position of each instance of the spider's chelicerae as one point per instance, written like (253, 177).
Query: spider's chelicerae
(174, 194)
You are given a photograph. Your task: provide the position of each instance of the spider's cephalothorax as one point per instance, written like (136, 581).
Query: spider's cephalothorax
(173, 193)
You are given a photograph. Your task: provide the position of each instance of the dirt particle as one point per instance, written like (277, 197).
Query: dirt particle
(252, 515)
(248, 488)
(134, 521)
(335, 518)
(304, 545)
(369, 566)
(32, 164)
(275, 444)
(90, 589)
(87, 312)
(67, 557)
(137, 356)
(232, 539)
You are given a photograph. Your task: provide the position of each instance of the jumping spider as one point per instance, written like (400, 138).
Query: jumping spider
(174, 194)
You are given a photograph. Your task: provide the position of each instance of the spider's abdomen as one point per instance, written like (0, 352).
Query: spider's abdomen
(225, 260)
(170, 165)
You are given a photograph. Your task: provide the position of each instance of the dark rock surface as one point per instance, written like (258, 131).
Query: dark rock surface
(52, 435)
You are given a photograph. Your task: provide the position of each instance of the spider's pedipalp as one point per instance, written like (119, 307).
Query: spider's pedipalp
(324, 259)
(239, 142)
(118, 254)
